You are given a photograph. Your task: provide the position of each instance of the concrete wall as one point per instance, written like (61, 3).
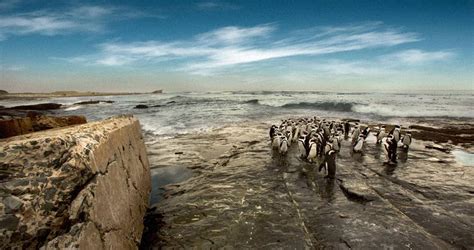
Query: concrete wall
(82, 187)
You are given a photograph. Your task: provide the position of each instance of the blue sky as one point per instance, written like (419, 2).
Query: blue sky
(236, 45)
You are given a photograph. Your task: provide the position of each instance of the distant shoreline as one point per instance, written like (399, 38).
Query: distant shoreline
(69, 94)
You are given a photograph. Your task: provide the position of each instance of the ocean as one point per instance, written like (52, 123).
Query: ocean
(170, 114)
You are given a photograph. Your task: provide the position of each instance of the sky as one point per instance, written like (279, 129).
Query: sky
(140, 46)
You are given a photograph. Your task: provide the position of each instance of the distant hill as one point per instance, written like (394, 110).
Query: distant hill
(69, 92)
(3, 92)
(160, 91)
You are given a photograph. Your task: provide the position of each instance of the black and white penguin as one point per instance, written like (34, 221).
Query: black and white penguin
(366, 132)
(381, 134)
(288, 136)
(335, 142)
(301, 147)
(272, 131)
(355, 135)
(359, 144)
(284, 144)
(396, 133)
(296, 133)
(276, 141)
(323, 165)
(390, 149)
(347, 128)
(330, 160)
(406, 140)
(312, 154)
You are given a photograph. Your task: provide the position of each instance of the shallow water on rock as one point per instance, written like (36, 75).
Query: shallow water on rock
(163, 176)
(463, 157)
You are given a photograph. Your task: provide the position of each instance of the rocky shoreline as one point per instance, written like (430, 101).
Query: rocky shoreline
(226, 188)
(242, 195)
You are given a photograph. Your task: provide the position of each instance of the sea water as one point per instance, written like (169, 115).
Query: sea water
(186, 112)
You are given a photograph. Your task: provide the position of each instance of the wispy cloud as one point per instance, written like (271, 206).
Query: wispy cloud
(216, 5)
(228, 47)
(89, 18)
(393, 63)
(415, 56)
(12, 67)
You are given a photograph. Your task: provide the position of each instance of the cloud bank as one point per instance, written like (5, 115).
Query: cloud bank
(86, 18)
(232, 46)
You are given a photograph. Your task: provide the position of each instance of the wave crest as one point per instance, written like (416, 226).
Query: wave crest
(332, 106)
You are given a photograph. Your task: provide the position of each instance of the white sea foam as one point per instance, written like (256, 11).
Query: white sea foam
(71, 108)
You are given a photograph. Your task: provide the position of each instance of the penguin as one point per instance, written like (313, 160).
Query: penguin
(301, 147)
(307, 143)
(276, 141)
(296, 133)
(284, 144)
(355, 135)
(390, 147)
(321, 142)
(330, 160)
(335, 143)
(272, 131)
(366, 132)
(381, 134)
(347, 128)
(312, 151)
(288, 135)
(327, 132)
(396, 133)
(359, 144)
(406, 140)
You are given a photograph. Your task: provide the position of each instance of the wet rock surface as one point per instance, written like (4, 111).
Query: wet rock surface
(79, 187)
(243, 195)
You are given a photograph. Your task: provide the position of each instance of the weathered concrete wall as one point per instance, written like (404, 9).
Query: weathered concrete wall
(81, 187)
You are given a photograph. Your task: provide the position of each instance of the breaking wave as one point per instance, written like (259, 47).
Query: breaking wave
(331, 106)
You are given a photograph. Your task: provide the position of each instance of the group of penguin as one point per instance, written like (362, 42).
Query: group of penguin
(320, 140)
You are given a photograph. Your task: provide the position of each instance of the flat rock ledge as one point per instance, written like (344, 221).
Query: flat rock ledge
(83, 187)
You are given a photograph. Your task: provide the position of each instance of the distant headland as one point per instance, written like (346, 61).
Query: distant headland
(69, 93)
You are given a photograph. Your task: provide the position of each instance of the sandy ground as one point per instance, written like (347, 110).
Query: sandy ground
(227, 188)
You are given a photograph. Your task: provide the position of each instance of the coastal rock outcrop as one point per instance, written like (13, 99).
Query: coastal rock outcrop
(41, 106)
(141, 106)
(93, 102)
(84, 186)
(16, 126)
(43, 122)
(36, 122)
